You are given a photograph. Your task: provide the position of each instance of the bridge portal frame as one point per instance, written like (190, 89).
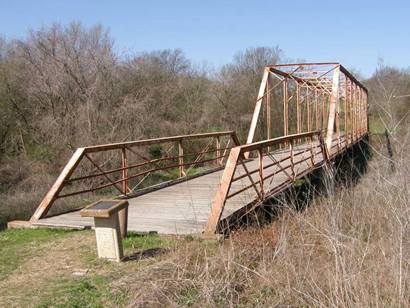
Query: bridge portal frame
(326, 95)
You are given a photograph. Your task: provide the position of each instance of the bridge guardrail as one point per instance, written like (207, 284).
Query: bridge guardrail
(292, 148)
(120, 177)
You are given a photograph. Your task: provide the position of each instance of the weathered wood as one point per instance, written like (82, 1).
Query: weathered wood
(321, 86)
(184, 207)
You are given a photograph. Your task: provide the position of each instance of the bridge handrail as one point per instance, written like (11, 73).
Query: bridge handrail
(84, 152)
(237, 156)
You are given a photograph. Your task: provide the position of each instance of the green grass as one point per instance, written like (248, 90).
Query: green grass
(18, 244)
(61, 288)
(91, 291)
(145, 241)
(188, 296)
(376, 126)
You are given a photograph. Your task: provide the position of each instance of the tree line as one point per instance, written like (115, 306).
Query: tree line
(62, 87)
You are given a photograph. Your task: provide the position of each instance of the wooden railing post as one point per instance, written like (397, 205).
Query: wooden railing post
(181, 158)
(124, 165)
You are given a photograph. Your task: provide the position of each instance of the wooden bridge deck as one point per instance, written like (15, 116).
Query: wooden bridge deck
(184, 208)
(329, 107)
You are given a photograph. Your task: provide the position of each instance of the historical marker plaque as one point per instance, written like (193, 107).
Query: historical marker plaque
(107, 227)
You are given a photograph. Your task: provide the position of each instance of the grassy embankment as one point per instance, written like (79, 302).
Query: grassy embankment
(351, 249)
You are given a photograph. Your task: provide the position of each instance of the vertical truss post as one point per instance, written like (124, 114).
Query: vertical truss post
(268, 113)
(312, 153)
(354, 111)
(361, 111)
(363, 114)
(298, 117)
(218, 151)
(292, 165)
(316, 105)
(323, 111)
(124, 165)
(358, 112)
(309, 125)
(345, 108)
(367, 112)
(337, 113)
(352, 104)
(181, 159)
(334, 101)
(285, 108)
(260, 159)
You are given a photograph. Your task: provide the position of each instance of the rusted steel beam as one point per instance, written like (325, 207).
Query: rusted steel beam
(334, 100)
(275, 162)
(181, 158)
(298, 115)
(346, 72)
(218, 203)
(268, 113)
(218, 149)
(250, 179)
(285, 108)
(113, 182)
(224, 193)
(258, 106)
(119, 145)
(297, 79)
(124, 165)
(342, 69)
(265, 143)
(316, 110)
(309, 128)
(147, 162)
(51, 195)
(64, 176)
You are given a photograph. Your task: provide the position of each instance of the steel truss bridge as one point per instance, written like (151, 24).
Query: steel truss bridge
(194, 184)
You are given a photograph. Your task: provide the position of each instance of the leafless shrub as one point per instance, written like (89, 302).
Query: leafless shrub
(352, 249)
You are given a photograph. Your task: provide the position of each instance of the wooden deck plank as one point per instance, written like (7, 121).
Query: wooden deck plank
(184, 208)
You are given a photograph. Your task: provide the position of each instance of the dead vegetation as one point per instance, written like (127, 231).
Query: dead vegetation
(64, 87)
(351, 249)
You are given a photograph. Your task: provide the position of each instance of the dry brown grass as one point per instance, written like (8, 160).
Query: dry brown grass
(351, 249)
